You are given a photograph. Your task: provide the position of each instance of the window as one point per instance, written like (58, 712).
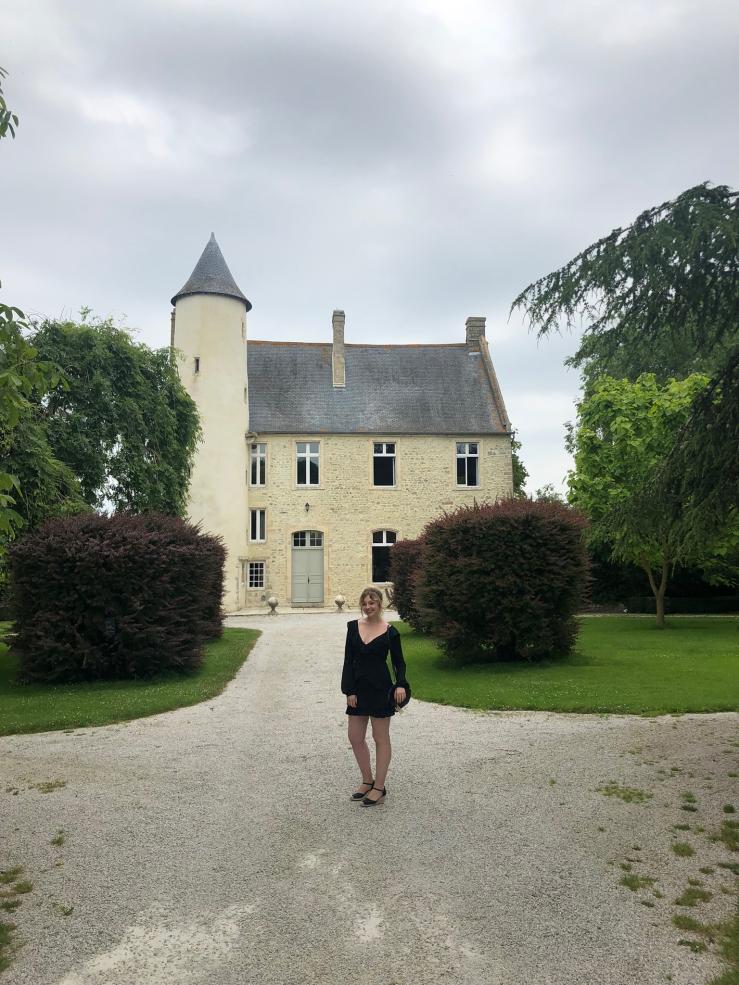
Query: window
(258, 469)
(197, 364)
(307, 461)
(308, 538)
(256, 574)
(383, 463)
(382, 541)
(467, 456)
(257, 524)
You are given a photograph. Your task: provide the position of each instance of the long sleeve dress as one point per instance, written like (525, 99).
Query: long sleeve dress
(366, 673)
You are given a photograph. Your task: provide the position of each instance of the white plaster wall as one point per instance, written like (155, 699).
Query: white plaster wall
(213, 328)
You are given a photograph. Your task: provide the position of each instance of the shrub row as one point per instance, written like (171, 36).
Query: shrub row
(96, 597)
(499, 581)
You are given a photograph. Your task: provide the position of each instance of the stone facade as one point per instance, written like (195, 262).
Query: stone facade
(347, 508)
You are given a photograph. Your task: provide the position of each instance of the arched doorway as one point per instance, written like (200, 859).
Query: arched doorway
(307, 567)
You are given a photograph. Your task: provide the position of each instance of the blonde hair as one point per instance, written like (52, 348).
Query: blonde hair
(371, 592)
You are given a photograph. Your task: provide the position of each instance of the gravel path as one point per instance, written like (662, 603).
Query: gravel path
(218, 844)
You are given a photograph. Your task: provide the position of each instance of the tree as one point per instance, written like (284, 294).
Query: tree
(8, 120)
(520, 472)
(664, 293)
(46, 487)
(624, 433)
(22, 377)
(123, 423)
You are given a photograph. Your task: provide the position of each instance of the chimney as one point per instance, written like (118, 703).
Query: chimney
(475, 328)
(337, 359)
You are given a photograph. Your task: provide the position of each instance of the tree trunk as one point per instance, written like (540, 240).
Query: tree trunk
(660, 590)
(660, 600)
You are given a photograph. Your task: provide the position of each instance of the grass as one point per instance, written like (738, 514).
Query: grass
(9, 902)
(692, 896)
(635, 882)
(632, 795)
(622, 664)
(6, 944)
(683, 849)
(729, 952)
(729, 835)
(46, 707)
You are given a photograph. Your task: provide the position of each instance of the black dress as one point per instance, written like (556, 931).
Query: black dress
(366, 672)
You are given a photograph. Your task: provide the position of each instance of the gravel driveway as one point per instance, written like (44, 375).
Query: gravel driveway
(218, 844)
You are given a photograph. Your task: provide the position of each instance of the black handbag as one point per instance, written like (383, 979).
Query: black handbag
(391, 696)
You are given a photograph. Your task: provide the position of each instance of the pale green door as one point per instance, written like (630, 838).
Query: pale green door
(307, 566)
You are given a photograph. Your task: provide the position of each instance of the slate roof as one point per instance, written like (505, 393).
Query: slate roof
(212, 276)
(390, 389)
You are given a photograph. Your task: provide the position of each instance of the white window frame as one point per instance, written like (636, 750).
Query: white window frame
(257, 526)
(257, 457)
(255, 580)
(307, 456)
(384, 453)
(465, 455)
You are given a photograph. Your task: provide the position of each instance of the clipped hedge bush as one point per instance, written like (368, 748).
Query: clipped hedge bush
(405, 565)
(503, 581)
(96, 597)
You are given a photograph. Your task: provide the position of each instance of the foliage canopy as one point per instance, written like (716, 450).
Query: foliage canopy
(663, 295)
(123, 422)
(625, 432)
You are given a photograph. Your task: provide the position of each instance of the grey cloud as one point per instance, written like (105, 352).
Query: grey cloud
(358, 158)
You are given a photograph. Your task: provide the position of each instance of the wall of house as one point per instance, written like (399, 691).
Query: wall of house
(347, 508)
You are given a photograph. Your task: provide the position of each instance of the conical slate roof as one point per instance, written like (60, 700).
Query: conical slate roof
(212, 276)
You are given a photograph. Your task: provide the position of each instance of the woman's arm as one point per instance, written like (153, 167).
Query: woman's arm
(348, 684)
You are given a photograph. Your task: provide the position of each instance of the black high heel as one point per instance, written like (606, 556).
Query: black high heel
(371, 803)
(361, 796)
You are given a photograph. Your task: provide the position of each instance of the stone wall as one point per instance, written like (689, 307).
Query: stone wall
(347, 508)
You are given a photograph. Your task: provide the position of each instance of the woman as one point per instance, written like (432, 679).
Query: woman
(366, 682)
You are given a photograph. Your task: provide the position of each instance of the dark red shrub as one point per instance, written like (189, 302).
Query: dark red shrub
(96, 597)
(405, 562)
(504, 581)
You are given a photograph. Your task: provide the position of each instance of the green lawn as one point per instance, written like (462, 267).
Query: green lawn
(622, 664)
(43, 707)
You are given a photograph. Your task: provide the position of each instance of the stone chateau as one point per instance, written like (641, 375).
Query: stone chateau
(317, 457)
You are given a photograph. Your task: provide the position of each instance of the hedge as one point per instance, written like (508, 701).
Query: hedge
(503, 581)
(96, 597)
(405, 564)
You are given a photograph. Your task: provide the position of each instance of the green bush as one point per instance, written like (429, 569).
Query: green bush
(97, 598)
(503, 581)
(405, 562)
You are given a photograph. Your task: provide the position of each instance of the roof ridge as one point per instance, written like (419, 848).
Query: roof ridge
(367, 345)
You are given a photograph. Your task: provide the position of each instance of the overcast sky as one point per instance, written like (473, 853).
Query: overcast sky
(412, 162)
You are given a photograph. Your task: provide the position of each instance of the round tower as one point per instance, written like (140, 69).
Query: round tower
(209, 334)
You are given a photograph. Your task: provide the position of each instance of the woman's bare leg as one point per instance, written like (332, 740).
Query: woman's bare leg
(383, 751)
(357, 738)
